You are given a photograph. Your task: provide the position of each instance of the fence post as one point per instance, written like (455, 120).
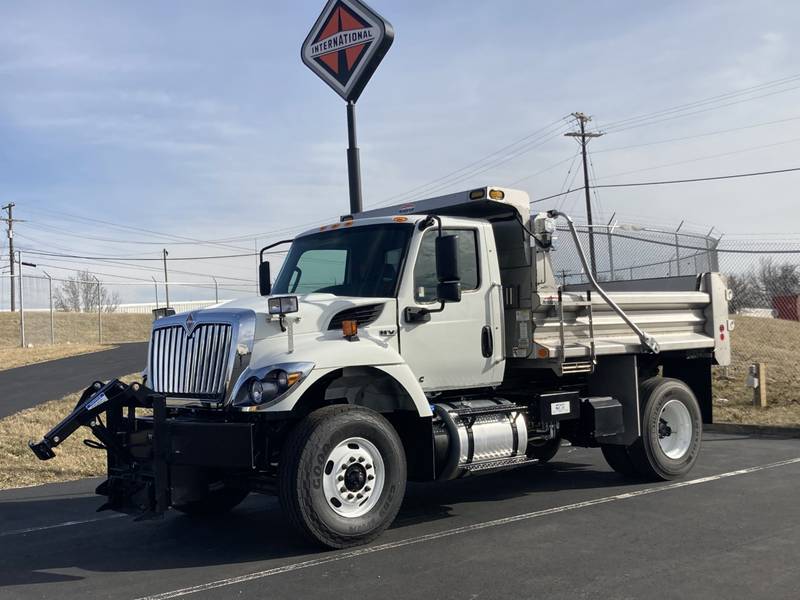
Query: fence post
(52, 318)
(99, 313)
(216, 290)
(760, 387)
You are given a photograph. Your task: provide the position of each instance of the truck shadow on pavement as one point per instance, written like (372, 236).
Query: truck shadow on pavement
(254, 532)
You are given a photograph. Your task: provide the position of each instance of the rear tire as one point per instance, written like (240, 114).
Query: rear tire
(342, 475)
(217, 502)
(671, 430)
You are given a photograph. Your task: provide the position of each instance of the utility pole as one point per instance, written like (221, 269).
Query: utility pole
(10, 220)
(582, 119)
(166, 279)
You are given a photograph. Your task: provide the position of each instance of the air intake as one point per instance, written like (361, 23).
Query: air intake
(364, 315)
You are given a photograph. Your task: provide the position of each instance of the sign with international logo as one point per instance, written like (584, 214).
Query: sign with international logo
(346, 45)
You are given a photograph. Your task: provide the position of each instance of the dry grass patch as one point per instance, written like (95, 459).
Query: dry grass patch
(77, 328)
(771, 341)
(781, 416)
(19, 467)
(11, 358)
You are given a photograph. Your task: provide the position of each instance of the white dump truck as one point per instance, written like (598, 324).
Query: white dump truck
(425, 341)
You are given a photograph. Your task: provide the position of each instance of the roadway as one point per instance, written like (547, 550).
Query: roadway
(572, 529)
(28, 386)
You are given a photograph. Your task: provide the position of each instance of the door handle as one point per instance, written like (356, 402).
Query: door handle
(487, 343)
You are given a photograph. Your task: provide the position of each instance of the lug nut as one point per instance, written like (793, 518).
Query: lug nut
(370, 477)
(341, 477)
(367, 466)
(359, 496)
(349, 496)
(360, 459)
(367, 488)
(351, 459)
(343, 489)
(344, 466)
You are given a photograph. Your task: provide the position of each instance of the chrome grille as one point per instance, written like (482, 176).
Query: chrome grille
(193, 365)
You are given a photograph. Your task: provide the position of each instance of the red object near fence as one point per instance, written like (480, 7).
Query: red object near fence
(787, 307)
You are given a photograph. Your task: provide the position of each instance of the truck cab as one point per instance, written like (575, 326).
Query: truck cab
(424, 341)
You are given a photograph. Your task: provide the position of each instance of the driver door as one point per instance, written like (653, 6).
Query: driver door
(461, 346)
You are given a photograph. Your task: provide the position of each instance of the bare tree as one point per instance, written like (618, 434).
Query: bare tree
(81, 293)
(746, 292)
(778, 279)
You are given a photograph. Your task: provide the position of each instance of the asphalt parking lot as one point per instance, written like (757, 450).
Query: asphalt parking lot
(28, 386)
(572, 529)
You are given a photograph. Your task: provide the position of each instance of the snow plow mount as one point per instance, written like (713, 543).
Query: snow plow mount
(95, 400)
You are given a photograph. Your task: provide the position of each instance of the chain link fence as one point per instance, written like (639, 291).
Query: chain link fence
(83, 309)
(764, 277)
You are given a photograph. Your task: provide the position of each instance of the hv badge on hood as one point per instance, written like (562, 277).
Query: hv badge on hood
(346, 45)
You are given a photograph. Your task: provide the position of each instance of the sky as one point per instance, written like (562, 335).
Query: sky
(131, 127)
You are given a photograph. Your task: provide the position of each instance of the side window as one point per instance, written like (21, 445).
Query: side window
(425, 280)
(318, 269)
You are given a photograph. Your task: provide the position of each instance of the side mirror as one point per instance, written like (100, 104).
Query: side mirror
(449, 291)
(447, 258)
(264, 279)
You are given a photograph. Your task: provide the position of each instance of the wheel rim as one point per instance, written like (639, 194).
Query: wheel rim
(354, 477)
(675, 429)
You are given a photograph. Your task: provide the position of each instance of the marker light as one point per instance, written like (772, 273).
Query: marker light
(350, 328)
(497, 194)
(477, 194)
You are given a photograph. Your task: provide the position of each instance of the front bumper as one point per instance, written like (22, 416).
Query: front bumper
(159, 457)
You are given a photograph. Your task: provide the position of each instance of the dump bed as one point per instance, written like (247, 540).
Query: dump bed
(687, 313)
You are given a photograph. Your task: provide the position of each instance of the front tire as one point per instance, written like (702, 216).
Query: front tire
(544, 451)
(671, 430)
(342, 475)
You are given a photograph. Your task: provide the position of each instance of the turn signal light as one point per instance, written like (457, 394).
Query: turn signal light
(350, 328)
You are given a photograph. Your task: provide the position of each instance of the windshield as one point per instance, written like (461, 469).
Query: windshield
(359, 261)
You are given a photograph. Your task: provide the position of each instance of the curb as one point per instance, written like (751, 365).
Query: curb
(769, 431)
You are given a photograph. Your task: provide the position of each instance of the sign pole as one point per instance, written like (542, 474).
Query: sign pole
(353, 161)
(344, 47)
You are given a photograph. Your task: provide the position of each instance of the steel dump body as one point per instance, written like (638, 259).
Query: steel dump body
(678, 320)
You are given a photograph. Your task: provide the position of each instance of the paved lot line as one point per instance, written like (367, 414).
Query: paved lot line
(57, 525)
(458, 531)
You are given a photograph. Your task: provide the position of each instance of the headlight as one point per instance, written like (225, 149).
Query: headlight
(256, 391)
(264, 385)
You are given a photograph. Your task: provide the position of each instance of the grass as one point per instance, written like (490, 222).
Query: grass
(771, 341)
(18, 465)
(75, 328)
(11, 358)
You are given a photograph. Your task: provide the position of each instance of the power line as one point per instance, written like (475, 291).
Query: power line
(706, 157)
(648, 117)
(734, 176)
(696, 179)
(700, 135)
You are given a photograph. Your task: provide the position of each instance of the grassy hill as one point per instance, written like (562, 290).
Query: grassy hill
(771, 341)
(76, 328)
